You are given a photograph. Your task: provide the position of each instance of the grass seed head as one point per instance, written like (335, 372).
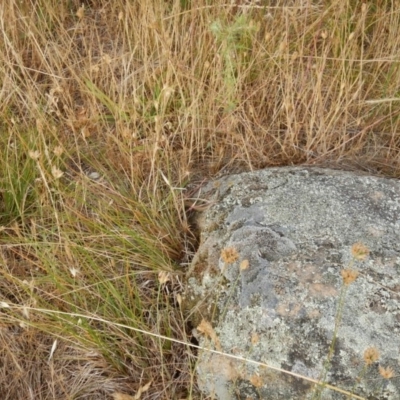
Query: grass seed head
(349, 276)
(359, 251)
(386, 373)
(56, 172)
(229, 255)
(244, 265)
(371, 355)
(34, 155)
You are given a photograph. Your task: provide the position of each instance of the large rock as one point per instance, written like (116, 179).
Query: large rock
(267, 284)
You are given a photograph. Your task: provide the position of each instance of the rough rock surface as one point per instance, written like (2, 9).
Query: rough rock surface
(267, 277)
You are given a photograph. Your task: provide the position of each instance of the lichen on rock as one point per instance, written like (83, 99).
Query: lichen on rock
(292, 229)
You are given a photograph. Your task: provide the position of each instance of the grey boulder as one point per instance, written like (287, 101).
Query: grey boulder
(266, 285)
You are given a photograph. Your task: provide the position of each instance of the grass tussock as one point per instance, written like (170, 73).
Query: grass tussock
(112, 114)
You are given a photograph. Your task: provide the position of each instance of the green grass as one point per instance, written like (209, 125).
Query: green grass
(110, 120)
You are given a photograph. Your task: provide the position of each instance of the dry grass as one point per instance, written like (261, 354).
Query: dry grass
(112, 115)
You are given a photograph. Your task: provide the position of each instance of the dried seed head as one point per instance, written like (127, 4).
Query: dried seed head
(34, 155)
(256, 381)
(206, 328)
(81, 12)
(349, 276)
(359, 251)
(229, 255)
(74, 272)
(58, 150)
(244, 265)
(255, 338)
(371, 355)
(164, 277)
(57, 173)
(387, 372)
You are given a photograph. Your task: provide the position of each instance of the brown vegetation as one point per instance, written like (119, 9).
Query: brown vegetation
(112, 113)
